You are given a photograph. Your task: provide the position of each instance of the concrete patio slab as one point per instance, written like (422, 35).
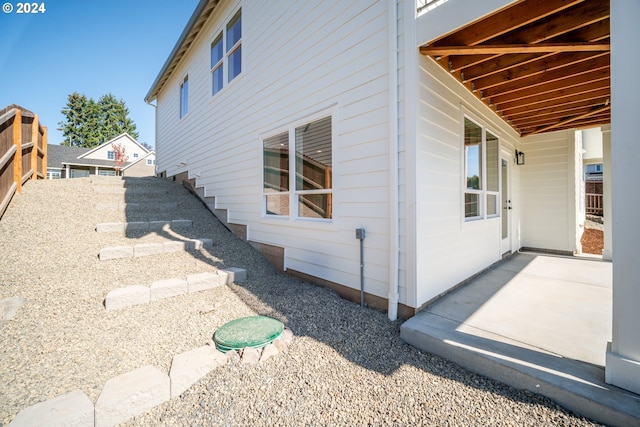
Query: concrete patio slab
(536, 322)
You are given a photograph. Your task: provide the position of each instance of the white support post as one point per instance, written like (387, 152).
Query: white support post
(623, 352)
(607, 251)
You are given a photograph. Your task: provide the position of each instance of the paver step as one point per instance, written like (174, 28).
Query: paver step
(121, 227)
(130, 296)
(131, 191)
(132, 393)
(147, 249)
(153, 206)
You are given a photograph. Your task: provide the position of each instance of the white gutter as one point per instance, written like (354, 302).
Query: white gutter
(394, 235)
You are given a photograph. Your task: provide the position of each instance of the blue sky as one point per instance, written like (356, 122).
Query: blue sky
(88, 46)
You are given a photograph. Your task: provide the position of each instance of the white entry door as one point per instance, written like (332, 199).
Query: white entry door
(506, 162)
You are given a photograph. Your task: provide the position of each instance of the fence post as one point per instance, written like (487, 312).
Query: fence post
(34, 149)
(17, 158)
(44, 151)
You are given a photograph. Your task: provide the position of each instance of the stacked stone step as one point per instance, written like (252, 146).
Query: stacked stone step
(130, 296)
(135, 392)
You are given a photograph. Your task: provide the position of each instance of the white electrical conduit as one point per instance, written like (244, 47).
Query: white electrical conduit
(394, 246)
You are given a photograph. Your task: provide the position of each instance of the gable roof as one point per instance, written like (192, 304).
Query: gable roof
(59, 154)
(126, 135)
(190, 32)
(138, 160)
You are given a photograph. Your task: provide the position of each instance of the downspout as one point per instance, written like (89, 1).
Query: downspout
(394, 235)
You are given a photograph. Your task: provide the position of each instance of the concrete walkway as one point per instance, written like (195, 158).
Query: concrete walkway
(536, 322)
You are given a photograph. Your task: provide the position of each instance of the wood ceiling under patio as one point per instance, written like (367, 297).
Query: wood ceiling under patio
(542, 65)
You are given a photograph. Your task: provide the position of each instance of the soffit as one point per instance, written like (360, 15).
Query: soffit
(542, 65)
(203, 11)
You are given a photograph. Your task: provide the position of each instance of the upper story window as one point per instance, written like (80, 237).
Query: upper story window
(135, 155)
(184, 97)
(111, 155)
(481, 164)
(226, 54)
(312, 177)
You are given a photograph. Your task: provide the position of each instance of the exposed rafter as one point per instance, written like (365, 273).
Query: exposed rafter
(542, 65)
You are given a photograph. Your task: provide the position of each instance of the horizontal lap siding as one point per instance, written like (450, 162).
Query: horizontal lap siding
(448, 248)
(298, 58)
(547, 192)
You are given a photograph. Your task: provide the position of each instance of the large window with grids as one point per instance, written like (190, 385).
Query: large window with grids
(481, 165)
(299, 186)
(226, 54)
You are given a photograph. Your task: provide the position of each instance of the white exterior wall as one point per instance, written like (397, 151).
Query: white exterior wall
(592, 145)
(299, 59)
(131, 148)
(550, 187)
(448, 248)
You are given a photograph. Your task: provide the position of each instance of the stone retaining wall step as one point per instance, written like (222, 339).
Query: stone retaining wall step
(127, 297)
(192, 365)
(236, 275)
(147, 249)
(167, 288)
(130, 191)
(114, 227)
(71, 409)
(130, 394)
(154, 206)
(203, 281)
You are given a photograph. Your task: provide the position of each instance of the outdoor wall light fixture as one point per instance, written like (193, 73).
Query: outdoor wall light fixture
(519, 158)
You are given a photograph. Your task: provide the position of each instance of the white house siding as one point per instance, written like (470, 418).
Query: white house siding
(448, 248)
(299, 59)
(131, 149)
(549, 190)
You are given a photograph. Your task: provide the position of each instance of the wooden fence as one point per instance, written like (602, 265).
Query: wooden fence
(594, 204)
(23, 152)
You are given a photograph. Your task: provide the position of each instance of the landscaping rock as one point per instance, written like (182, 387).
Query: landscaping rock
(127, 297)
(190, 366)
(71, 409)
(168, 288)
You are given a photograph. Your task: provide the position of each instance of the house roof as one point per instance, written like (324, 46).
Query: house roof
(59, 154)
(542, 65)
(196, 22)
(125, 134)
(128, 165)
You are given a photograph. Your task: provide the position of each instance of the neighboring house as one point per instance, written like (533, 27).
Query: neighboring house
(447, 130)
(76, 162)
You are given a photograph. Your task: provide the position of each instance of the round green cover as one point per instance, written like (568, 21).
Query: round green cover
(252, 331)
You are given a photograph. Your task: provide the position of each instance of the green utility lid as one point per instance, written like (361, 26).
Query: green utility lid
(252, 331)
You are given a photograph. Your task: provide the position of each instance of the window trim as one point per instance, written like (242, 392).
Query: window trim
(483, 192)
(221, 34)
(111, 155)
(184, 96)
(292, 193)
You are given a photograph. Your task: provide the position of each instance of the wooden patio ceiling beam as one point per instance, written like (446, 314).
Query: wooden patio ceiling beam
(509, 19)
(572, 85)
(530, 122)
(547, 102)
(558, 110)
(515, 48)
(589, 122)
(570, 20)
(563, 63)
(484, 65)
(591, 113)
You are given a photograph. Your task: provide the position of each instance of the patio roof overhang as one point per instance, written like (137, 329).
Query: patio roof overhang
(541, 65)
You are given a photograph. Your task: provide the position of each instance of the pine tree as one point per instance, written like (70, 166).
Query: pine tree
(89, 123)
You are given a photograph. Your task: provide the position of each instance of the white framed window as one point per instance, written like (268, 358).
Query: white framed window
(111, 155)
(135, 155)
(184, 97)
(482, 171)
(226, 54)
(151, 162)
(299, 186)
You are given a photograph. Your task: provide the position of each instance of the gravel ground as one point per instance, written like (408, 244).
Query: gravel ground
(346, 365)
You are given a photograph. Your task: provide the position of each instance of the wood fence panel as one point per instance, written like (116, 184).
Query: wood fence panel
(23, 152)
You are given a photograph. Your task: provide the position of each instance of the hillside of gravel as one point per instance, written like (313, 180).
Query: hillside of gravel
(346, 365)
